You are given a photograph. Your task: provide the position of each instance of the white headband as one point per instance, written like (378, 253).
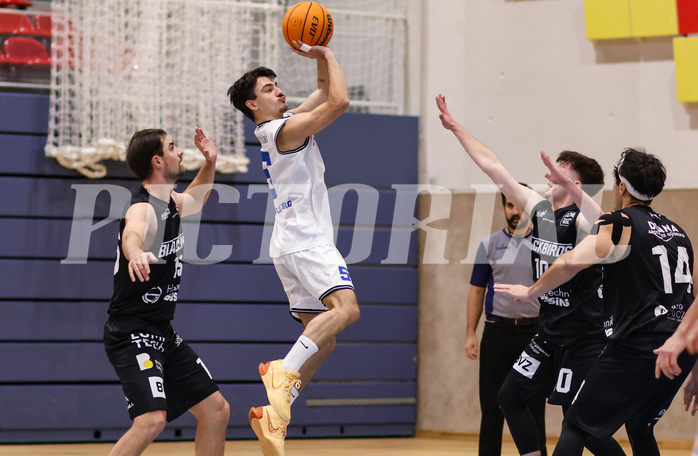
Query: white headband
(634, 193)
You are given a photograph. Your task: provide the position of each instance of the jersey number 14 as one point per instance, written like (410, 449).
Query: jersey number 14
(682, 274)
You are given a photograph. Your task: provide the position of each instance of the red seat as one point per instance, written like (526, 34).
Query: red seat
(25, 51)
(15, 24)
(42, 25)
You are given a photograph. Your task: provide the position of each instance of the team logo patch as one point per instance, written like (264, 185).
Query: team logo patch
(567, 218)
(526, 365)
(660, 310)
(152, 295)
(144, 361)
(157, 386)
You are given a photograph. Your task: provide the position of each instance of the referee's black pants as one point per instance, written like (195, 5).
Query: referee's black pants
(500, 347)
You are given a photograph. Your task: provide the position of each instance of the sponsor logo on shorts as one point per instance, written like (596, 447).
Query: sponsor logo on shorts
(148, 340)
(157, 386)
(537, 349)
(657, 418)
(178, 340)
(144, 361)
(526, 365)
(129, 404)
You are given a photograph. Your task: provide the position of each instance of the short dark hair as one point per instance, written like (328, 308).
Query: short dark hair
(504, 197)
(645, 172)
(243, 89)
(589, 171)
(144, 144)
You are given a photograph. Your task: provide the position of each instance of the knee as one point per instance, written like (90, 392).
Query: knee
(511, 397)
(151, 424)
(352, 313)
(348, 311)
(212, 411)
(223, 413)
(219, 412)
(642, 440)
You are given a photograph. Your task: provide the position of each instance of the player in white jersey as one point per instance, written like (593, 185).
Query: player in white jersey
(312, 271)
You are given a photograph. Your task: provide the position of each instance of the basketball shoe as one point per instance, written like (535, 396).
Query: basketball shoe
(278, 382)
(270, 430)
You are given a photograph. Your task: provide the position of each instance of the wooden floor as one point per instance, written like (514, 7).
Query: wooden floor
(418, 446)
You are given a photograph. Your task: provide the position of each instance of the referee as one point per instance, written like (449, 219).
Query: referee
(502, 257)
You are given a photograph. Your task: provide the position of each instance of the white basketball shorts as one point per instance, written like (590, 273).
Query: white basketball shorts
(308, 276)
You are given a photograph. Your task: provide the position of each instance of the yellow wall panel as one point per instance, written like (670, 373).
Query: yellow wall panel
(654, 18)
(686, 63)
(607, 19)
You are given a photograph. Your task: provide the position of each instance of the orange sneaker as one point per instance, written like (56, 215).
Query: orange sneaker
(270, 430)
(278, 382)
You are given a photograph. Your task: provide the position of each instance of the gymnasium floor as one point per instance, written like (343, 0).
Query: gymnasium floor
(419, 446)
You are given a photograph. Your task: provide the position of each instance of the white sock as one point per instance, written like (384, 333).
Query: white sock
(303, 349)
(294, 394)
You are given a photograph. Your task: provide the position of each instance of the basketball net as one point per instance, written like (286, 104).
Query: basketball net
(119, 66)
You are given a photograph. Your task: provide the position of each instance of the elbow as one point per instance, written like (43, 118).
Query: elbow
(343, 103)
(340, 103)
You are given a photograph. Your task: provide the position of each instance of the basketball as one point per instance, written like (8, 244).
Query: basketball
(308, 22)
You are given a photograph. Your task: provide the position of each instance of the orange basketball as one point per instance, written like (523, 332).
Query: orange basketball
(308, 22)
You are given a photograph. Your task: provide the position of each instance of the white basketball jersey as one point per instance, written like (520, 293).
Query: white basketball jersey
(296, 180)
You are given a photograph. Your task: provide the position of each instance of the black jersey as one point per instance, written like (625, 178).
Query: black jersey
(650, 289)
(573, 311)
(154, 299)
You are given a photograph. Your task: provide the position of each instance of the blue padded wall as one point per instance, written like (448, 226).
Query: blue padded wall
(55, 381)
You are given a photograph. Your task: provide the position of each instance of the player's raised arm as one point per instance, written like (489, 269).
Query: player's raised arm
(192, 200)
(323, 107)
(488, 161)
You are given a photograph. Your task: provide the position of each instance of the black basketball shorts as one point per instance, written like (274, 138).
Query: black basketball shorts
(554, 371)
(157, 369)
(621, 389)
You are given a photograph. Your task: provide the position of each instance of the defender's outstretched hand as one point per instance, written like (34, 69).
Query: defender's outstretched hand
(690, 393)
(667, 357)
(518, 292)
(205, 145)
(447, 119)
(556, 175)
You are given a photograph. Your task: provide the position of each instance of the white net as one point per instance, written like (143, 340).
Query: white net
(122, 65)
(370, 41)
